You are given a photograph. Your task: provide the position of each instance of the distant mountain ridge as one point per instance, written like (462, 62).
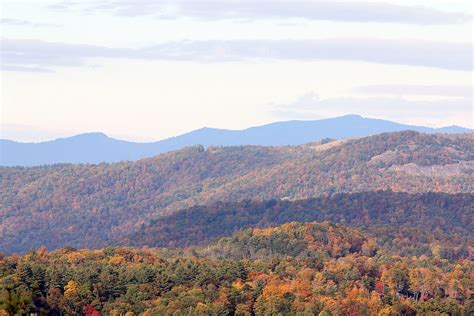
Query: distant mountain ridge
(98, 147)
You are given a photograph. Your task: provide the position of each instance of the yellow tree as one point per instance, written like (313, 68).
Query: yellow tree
(72, 302)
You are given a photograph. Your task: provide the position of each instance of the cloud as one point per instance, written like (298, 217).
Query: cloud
(346, 11)
(310, 106)
(18, 22)
(24, 69)
(40, 54)
(435, 90)
(36, 54)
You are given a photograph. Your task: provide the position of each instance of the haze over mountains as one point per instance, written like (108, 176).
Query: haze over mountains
(98, 147)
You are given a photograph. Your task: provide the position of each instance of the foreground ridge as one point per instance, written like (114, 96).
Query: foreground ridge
(297, 268)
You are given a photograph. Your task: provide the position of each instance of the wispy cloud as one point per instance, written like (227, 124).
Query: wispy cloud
(347, 11)
(434, 90)
(19, 22)
(40, 54)
(311, 106)
(5, 67)
(36, 54)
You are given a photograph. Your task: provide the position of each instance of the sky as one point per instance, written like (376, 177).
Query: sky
(147, 70)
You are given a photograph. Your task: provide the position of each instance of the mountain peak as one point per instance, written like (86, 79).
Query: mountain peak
(355, 116)
(91, 135)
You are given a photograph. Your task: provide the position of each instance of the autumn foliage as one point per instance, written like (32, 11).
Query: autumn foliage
(93, 205)
(293, 269)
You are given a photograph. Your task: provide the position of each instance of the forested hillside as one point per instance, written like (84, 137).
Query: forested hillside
(293, 269)
(443, 221)
(92, 205)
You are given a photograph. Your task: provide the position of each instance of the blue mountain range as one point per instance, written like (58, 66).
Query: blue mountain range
(98, 147)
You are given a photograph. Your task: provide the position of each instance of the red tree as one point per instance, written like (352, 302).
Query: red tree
(89, 310)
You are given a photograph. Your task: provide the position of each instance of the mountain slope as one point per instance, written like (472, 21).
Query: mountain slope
(97, 147)
(89, 205)
(384, 214)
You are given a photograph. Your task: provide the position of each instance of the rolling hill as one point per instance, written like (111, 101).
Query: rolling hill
(97, 147)
(92, 205)
(387, 215)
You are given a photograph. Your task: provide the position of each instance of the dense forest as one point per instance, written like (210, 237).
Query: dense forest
(397, 216)
(394, 217)
(293, 269)
(95, 205)
(373, 226)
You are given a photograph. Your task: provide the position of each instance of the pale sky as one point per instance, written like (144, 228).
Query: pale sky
(147, 70)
